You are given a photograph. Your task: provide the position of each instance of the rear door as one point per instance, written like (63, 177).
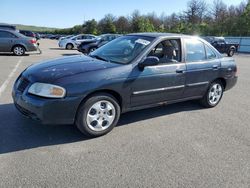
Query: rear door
(202, 67)
(7, 40)
(163, 82)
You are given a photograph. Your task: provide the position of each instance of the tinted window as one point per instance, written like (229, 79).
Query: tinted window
(5, 34)
(195, 50)
(210, 53)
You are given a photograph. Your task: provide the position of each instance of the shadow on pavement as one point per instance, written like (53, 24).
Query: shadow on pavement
(70, 54)
(11, 54)
(57, 49)
(19, 133)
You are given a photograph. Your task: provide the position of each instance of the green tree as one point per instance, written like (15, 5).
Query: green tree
(244, 21)
(90, 27)
(106, 25)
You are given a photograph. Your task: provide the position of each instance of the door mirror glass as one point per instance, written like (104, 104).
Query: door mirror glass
(149, 61)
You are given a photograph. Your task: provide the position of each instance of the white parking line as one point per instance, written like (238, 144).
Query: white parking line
(6, 82)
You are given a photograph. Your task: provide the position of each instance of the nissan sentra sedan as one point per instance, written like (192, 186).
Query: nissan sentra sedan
(132, 72)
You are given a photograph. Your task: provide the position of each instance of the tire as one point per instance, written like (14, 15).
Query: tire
(98, 115)
(92, 49)
(18, 50)
(230, 53)
(69, 46)
(213, 95)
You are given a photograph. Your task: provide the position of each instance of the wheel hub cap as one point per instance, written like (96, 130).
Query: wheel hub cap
(101, 115)
(18, 50)
(215, 94)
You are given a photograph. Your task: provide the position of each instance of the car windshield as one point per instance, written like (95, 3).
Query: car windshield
(122, 50)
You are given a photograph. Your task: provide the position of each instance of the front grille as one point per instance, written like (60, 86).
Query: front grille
(22, 84)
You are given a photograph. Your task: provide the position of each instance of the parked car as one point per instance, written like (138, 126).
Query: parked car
(222, 46)
(28, 33)
(89, 46)
(38, 36)
(13, 41)
(71, 43)
(132, 72)
(8, 27)
(65, 37)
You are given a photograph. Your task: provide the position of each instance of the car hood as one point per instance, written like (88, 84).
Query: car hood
(52, 70)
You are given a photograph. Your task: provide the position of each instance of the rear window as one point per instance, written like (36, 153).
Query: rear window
(195, 50)
(6, 34)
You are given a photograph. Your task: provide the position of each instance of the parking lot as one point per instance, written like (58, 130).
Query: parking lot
(180, 145)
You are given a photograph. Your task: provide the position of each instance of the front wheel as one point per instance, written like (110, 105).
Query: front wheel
(69, 46)
(213, 95)
(98, 115)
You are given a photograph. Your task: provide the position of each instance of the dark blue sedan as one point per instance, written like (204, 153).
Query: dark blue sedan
(131, 72)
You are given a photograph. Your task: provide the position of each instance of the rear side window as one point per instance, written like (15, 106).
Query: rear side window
(210, 52)
(195, 50)
(5, 34)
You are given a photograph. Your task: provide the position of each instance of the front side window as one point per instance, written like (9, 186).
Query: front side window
(195, 50)
(122, 50)
(167, 51)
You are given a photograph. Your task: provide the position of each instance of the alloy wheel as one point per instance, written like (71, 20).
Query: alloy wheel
(101, 115)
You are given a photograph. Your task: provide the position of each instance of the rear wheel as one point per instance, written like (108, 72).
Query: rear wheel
(69, 46)
(213, 95)
(98, 115)
(92, 49)
(230, 52)
(19, 50)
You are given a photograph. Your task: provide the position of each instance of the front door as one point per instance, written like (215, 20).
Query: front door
(163, 82)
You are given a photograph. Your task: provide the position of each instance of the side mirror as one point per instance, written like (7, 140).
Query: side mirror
(149, 61)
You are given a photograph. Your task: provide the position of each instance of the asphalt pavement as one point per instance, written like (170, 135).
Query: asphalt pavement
(179, 145)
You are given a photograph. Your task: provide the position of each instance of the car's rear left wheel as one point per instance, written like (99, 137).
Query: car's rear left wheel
(18, 50)
(213, 94)
(98, 115)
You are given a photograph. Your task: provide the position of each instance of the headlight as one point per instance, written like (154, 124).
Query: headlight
(47, 90)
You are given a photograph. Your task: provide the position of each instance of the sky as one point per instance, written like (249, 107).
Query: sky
(67, 13)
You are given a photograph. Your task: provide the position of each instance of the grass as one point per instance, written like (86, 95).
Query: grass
(34, 28)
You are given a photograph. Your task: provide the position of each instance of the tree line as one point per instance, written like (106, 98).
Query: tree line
(198, 18)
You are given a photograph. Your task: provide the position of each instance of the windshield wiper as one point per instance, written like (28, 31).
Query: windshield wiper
(99, 57)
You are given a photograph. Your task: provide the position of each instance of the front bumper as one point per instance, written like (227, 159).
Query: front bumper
(47, 111)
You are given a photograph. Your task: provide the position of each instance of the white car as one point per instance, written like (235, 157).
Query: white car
(73, 42)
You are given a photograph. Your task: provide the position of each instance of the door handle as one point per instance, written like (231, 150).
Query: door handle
(215, 67)
(180, 71)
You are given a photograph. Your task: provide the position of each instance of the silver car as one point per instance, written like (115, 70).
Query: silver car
(13, 41)
(73, 42)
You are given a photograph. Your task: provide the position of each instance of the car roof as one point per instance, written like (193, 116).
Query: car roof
(15, 32)
(156, 35)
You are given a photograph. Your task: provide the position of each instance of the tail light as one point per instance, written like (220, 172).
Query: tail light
(32, 41)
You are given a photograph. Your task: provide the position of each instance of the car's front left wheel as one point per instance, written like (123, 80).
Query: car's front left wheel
(98, 115)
